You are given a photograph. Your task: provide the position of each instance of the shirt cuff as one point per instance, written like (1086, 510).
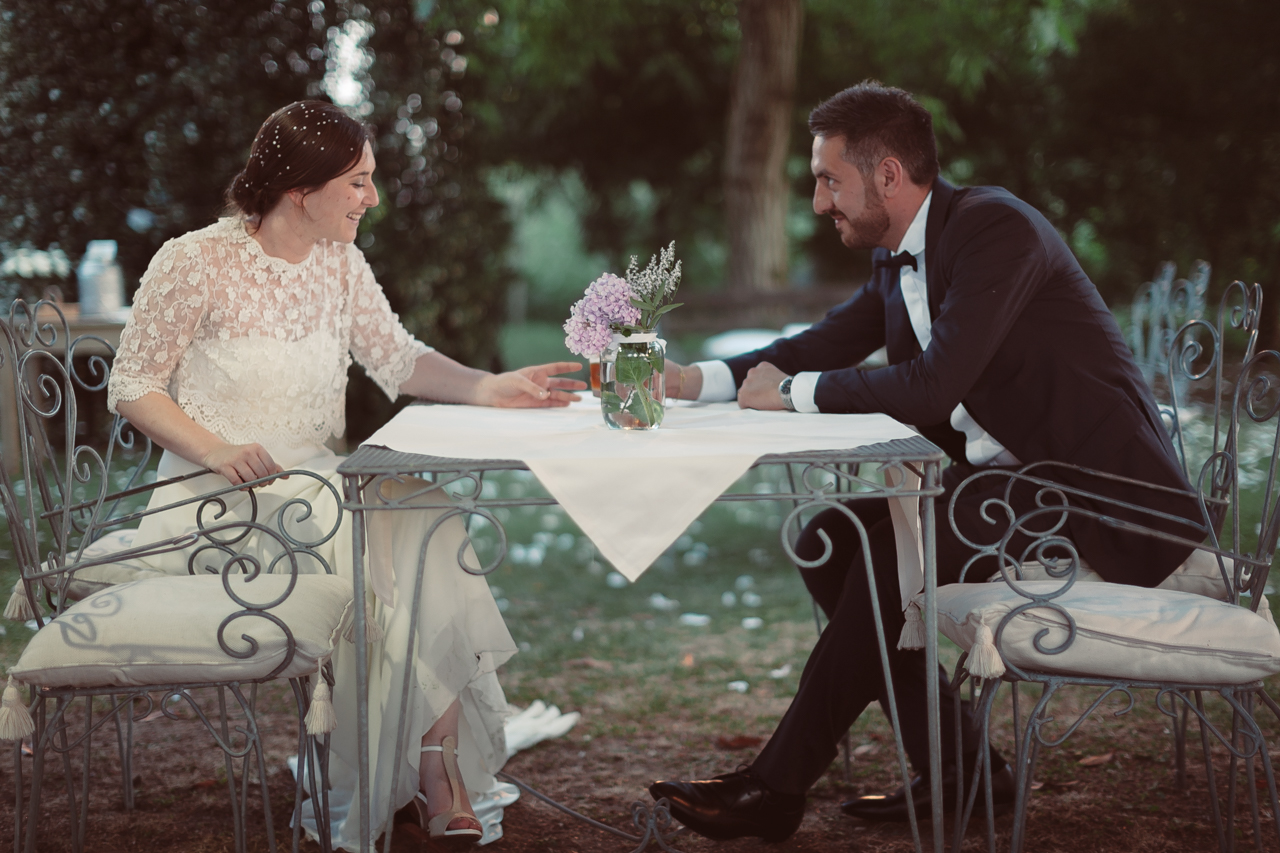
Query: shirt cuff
(803, 387)
(717, 382)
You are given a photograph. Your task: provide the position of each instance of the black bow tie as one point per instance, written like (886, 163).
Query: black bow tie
(902, 259)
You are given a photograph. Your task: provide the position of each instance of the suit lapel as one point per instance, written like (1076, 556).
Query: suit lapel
(944, 195)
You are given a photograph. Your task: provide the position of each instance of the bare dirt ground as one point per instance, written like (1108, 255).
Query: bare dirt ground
(1111, 788)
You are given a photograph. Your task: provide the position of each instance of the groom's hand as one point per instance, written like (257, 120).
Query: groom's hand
(760, 389)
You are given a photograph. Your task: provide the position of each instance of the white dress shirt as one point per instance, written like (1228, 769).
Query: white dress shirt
(980, 447)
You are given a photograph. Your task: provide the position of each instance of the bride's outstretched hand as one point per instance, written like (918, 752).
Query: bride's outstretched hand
(536, 386)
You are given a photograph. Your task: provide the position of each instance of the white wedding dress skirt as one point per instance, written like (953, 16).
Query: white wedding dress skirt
(461, 638)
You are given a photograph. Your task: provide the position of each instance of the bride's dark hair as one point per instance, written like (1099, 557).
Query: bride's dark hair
(302, 146)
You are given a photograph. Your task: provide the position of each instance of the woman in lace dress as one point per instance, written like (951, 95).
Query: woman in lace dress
(235, 360)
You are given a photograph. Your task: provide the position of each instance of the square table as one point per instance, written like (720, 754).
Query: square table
(705, 447)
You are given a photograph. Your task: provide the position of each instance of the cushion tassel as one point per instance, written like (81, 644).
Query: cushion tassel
(912, 636)
(19, 607)
(984, 657)
(372, 630)
(321, 718)
(15, 719)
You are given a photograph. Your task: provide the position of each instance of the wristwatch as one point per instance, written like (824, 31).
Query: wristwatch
(784, 389)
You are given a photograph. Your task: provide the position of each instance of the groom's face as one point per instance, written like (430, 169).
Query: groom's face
(853, 203)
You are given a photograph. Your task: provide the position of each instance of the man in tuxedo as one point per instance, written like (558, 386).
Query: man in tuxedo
(1002, 353)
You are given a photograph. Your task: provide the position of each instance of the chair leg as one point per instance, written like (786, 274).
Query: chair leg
(237, 814)
(1180, 746)
(1210, 776)
(1266, 764)
(82, 829)
(1028, 752)
(983, 704)
(124, 744)
(259, 761)
(39, 740)
(1255, 734)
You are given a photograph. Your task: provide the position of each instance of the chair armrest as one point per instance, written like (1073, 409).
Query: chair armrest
(1055, 502)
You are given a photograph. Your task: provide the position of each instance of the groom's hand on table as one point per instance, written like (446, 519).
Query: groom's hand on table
(683, 383)
(533, 387)
(760, 389)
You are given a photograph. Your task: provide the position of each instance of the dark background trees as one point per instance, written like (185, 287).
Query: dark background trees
(126, 120)
(1144, 129)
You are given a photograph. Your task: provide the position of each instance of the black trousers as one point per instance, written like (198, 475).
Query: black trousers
(843, 674)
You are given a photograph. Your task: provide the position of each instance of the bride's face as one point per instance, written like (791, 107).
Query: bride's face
(333, 212)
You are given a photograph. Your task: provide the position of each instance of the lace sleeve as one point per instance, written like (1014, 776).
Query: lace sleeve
(382, 346)
(167, 310)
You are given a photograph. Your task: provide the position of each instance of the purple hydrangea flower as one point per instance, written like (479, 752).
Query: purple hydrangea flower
(607, 303)
(583, 337)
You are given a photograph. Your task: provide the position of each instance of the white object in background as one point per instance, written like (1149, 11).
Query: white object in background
(738, 686)
(100, 280)
(736, 342)
(658, 601)
(695, 620)
(751, 623)
(537, 723)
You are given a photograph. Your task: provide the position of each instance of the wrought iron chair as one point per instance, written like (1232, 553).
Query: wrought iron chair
(1059, 631)
(1160, 308)
(258, 602)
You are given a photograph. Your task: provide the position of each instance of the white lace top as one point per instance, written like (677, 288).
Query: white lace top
(254, 348)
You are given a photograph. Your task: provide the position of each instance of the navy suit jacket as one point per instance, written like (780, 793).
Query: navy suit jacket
(1021, 336)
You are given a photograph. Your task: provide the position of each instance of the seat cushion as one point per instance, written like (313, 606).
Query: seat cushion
(1198, 574)
(85, 582)
(1122, 632)
(165, 631)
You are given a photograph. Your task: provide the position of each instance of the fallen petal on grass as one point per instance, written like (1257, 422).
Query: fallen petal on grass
(1096, 760)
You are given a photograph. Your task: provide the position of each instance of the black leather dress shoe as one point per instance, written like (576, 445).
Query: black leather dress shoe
(734, 805)
(893, 807)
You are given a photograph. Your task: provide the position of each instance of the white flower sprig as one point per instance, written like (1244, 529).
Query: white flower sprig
(653, 286)
(33, 263)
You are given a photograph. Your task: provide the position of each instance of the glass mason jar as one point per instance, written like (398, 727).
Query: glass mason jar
(633, 383)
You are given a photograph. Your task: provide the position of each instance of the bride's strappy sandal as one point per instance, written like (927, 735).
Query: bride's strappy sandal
(438, 830)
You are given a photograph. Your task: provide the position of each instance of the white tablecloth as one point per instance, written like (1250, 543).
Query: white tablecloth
(634, 492)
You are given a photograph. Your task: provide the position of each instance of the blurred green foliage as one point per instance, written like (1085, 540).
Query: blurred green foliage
(436, 242)
(111, 107)
(1144, 129)
(149, 107)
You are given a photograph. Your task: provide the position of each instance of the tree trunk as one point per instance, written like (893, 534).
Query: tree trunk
(760, 105)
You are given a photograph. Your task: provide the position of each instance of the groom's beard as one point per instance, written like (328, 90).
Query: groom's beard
(866, 231)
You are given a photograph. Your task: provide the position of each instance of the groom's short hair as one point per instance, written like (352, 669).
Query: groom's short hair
(879, 121)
